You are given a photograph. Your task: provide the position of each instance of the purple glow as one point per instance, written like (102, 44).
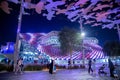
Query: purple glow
(49, 44)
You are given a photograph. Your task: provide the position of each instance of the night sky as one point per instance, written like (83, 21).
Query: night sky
(36, 23)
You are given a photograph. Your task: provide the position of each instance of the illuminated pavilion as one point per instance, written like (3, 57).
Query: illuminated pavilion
(41, 47)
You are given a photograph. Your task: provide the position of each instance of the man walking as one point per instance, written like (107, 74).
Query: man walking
(89, 66)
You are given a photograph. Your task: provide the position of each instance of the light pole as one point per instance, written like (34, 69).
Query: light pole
(82, 36)
(118, 29)
(83, 53)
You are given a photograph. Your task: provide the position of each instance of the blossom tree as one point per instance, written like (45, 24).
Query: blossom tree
(104, 13)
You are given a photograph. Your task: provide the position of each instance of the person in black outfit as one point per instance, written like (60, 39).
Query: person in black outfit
(51, 67)
(89, 66)
(111, 67)
(69, 63)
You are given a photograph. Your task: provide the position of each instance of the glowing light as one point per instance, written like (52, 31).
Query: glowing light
(82, 34)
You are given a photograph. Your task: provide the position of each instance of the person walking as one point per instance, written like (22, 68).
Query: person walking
(52, 67)
(94, 66)
(111, 67)
(19, 66)
(90, 66)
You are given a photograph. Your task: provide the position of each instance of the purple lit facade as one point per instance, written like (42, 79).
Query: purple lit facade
(49, 45)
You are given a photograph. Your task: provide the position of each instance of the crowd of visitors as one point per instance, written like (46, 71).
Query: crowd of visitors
(93, 67)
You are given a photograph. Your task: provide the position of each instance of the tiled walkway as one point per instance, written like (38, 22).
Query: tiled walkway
(76, 74)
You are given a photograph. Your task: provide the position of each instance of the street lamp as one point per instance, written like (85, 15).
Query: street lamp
(82, 36)
(83, 54)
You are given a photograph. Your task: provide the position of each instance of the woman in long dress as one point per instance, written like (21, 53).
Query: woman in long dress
(52, 67)
(111, 67)
(90, 66)
(94, 66)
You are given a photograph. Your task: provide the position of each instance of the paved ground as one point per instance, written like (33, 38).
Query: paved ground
(76, 74)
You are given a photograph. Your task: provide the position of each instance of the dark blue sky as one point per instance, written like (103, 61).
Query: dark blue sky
(37, 23)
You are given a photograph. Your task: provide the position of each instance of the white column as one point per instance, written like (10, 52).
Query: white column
(16, 51)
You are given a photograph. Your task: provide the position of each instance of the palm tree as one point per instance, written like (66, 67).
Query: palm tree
(70, 40)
